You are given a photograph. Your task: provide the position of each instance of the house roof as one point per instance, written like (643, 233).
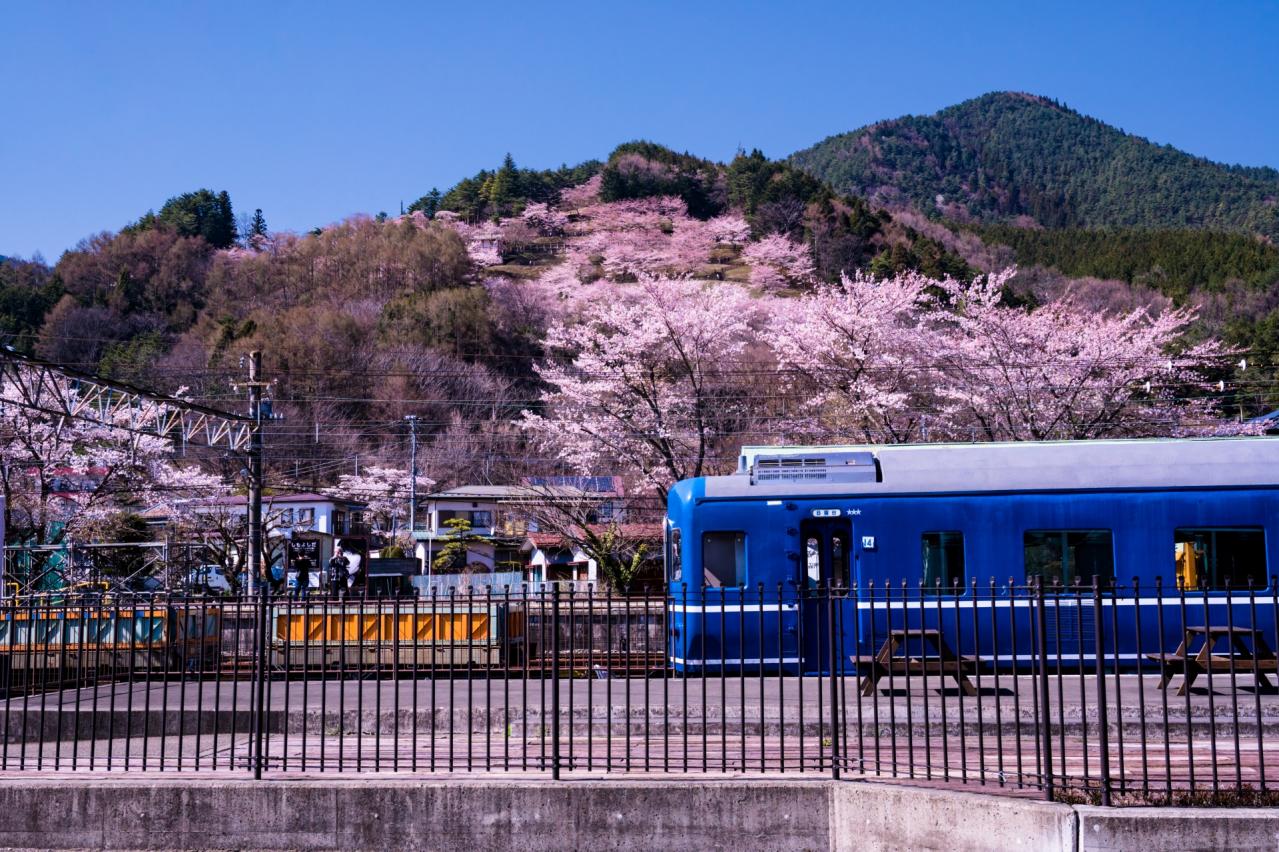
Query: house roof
(644, 533)
(547, 541)
(606, 485)
(511, 493)
(278, 499)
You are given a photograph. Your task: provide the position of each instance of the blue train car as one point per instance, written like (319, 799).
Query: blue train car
(948, 537)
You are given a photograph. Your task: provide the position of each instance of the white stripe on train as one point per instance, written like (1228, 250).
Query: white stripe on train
(961, 604)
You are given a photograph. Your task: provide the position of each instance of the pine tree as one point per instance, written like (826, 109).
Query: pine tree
(431, 203)
(221, 231)
(504, 187)
(257, 230)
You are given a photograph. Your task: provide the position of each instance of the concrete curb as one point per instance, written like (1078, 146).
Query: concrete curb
(627, 814)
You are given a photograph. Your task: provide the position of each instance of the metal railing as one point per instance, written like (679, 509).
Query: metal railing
(1065, 693)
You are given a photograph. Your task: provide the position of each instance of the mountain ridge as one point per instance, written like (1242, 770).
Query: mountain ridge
(1015, 157)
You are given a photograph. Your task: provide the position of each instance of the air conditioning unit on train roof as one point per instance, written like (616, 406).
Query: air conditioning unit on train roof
(817, 468)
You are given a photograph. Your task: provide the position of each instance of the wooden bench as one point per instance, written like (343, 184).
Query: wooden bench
(888, 662)
(1239, 658)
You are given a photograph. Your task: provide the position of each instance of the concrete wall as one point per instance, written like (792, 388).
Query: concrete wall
(1151, 829)
(670, 814)
(468, 816)
(873, 817)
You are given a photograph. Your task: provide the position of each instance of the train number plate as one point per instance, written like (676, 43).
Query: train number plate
(827, 513)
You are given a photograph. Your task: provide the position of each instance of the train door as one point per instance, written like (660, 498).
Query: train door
(826, 554)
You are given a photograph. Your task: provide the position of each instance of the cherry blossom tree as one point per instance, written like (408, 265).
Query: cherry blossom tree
(544, 220)
(777, 261)
(648, 386)
(856, 357)
(729, 229)
(647, 236)
(913, 358)
(583, 194)
(386, 492)
(1063, 371)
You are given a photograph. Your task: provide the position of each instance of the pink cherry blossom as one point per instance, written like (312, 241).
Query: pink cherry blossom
(777, 261)
(648, 386)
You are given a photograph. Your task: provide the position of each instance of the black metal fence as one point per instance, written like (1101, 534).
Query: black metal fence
(1110, 694)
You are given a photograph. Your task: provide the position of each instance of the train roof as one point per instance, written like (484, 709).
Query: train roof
(1001, 467)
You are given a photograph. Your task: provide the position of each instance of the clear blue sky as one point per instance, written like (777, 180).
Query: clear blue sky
(313, 111)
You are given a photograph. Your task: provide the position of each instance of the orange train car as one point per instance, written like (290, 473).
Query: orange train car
(389, 635)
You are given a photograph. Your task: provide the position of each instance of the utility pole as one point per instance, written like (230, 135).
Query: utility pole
(256, 570)
(257, 565)
(412, 418)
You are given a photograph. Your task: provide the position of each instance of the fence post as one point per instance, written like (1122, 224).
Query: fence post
(834, 645)
(1045, 722)
(1102, 716)
(555, 681)
(261, 680)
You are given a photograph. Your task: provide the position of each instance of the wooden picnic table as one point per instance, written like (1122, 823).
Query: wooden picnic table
(1239, 659)
(887, 661)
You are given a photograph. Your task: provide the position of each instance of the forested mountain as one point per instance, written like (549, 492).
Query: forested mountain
(1007, 155)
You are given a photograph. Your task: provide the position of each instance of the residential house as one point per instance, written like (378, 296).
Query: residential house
(553, 558)
(492, 541)
(305, 516)
(500, 517)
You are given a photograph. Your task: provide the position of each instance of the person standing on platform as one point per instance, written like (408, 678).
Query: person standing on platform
(337, 573)
(303, 578)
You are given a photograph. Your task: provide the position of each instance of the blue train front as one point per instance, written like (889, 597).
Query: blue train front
(950, 537)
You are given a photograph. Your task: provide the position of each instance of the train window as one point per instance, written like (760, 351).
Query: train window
(1069, 557)
(1215, 558)
(943, 555)
(724, 558)
(673, 559)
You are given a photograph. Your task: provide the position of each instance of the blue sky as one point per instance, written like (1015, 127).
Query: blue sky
(313, 111)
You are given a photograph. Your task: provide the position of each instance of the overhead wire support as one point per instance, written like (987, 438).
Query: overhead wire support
(61, 391)
(121, 405)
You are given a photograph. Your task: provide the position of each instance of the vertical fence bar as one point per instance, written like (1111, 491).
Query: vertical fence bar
(1016, 678)
(1045, 722)
(555, 681)
(892, 683)
(592, 671)
(610, 655)
(287, 614)
(760, 646)
(667, 673)
(741, 671)
(1231, 640)
(1210, 642)
(11, 637)
(1102, 717)
(834, 683)
(1256, 685)
(260, 703)
(1141, 689)
(1002, 775)
(1119, 778)
(1164, 675)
